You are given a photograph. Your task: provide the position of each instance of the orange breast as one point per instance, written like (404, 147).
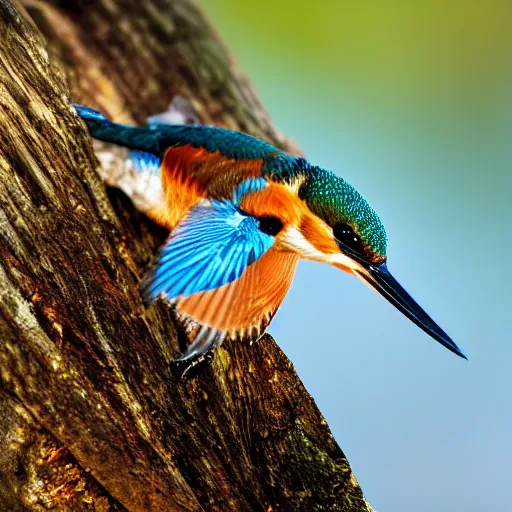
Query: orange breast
(249, 301)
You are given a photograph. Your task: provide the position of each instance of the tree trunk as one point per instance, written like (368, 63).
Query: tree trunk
(90, 417)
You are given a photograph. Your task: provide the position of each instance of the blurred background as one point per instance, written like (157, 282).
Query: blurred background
(411, 102)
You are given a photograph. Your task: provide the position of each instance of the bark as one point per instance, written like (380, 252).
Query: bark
(90, 417)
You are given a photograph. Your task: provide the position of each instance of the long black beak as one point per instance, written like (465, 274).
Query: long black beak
(381, 280)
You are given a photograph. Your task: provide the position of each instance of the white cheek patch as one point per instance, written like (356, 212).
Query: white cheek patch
(293, 240)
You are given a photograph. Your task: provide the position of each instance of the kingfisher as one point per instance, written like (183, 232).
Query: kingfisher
(241, 214)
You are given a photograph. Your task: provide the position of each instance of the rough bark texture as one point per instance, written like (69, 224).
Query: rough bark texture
(90, 417)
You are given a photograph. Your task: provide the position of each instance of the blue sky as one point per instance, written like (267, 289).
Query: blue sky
(423, 429)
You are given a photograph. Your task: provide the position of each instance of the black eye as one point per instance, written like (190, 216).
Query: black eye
(269, 225)
(346, 236)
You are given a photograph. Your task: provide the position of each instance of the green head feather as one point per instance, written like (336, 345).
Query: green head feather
(336, 201)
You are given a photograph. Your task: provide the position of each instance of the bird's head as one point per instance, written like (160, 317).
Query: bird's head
(319, 216)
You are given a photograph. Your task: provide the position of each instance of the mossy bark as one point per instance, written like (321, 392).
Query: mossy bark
(90, 417)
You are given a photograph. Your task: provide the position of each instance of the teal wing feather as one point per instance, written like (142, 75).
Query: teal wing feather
(157, 138)
(229, 143)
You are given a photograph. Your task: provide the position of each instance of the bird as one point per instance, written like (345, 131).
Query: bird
(241, 213)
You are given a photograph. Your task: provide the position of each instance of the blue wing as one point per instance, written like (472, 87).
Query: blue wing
(212, 246)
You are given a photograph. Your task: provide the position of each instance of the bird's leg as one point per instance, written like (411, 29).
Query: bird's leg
(199, 350)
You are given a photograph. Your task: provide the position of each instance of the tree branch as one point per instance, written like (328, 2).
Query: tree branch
(90, 416)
